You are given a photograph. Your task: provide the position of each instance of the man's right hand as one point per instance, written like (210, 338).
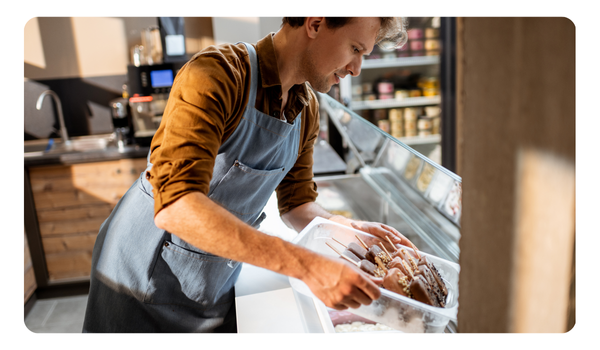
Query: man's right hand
(340, 285)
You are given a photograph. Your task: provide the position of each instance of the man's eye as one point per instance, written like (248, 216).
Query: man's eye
(356, 50)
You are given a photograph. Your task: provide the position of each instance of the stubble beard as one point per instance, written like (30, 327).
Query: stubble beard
(309, 70)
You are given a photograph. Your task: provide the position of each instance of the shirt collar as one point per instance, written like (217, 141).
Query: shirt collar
(269, 73)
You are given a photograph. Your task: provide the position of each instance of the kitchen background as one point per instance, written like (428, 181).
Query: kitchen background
(85, 60)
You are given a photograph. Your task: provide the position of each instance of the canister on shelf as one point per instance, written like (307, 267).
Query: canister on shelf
(415, 33)
(385, 87)
(432, 44)
(410, 121)
(395, 114)
(410, 113)
(384, 125)
(396, 122)
(357, 90)
(432, 111)
(414, 93)
(396, 128)
(400, 94)
(416, 45)
(428, 92)
(431, 33)
(386, 96)
(424, 126)
(367, 88)
(429, 82)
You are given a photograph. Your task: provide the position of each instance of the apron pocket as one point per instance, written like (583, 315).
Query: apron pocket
(244, 191)
(191, 279)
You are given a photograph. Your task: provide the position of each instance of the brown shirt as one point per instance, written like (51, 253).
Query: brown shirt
(205, 106)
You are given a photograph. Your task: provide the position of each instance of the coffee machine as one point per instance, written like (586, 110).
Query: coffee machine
(150, 76)
(149, 87)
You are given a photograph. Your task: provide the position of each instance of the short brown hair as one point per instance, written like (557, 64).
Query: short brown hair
(392, 32)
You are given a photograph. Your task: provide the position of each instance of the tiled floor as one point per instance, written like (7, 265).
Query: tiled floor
(58, 315)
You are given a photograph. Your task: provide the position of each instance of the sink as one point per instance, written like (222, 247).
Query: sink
(37, 148)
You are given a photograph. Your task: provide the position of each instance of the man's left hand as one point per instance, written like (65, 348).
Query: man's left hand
(382, 231)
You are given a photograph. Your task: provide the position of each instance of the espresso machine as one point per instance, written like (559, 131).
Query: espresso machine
(150, 76)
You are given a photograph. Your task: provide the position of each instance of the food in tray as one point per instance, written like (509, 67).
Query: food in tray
(364, 264)
(351, 255)
(357, 250)
(397, 282)
(425, 177)
(453, 204)
(412, 167)
(414, 277)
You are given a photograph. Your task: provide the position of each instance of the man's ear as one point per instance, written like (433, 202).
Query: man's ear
(313, 26)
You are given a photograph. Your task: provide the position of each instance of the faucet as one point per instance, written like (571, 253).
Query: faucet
(61, 120)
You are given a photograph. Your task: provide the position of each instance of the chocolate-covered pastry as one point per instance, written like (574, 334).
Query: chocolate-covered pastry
(435, 273)
(357, 250)
(397, 282)
(371, 268)
(349, 254)
(376, 251)
(421, 292)
(402, 253)
(424, 271)
(397, 263)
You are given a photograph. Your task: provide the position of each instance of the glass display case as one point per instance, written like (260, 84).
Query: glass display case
(390, 182)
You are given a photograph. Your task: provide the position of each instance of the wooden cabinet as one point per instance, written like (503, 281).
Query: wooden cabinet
(71, 202)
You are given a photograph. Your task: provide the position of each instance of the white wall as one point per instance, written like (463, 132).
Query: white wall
(248, 29)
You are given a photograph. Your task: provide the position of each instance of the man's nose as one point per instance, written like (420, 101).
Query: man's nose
(354, 66)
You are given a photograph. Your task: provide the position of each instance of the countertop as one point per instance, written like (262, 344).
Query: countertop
(111, 153)
(326, 160)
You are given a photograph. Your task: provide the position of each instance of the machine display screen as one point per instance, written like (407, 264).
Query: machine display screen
(161, 78)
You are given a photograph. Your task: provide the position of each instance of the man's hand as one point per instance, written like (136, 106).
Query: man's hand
(381, 231)
(339, 285)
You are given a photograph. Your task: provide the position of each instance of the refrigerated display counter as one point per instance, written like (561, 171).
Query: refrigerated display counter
(393, 184)
(388, 182)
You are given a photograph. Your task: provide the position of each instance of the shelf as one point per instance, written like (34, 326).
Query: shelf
(400, 62)
(421, 140)
(393, 103)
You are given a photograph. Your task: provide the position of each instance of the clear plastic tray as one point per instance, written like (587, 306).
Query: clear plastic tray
(393, 310)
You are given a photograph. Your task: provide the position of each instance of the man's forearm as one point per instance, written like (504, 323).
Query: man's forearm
(302, 215)
(199, 221)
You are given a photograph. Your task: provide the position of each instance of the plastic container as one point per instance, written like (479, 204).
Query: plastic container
(391, 309)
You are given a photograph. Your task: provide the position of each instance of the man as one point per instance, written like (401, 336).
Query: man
(240, 123)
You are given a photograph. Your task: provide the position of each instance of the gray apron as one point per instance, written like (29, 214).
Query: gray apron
(145, 279)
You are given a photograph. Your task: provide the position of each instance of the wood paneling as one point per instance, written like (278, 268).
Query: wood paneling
(71, 203)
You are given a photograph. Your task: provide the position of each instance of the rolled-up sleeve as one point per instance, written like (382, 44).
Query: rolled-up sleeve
(298, 186)
(200, 112)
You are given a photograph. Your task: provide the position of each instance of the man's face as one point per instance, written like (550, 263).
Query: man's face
(335, 53)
